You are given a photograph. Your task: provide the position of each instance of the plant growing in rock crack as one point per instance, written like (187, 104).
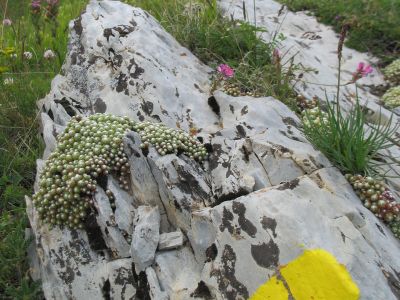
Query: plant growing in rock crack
(344, 138)
(355, 148)
(93, 147)
(377, 197)
(214, 39)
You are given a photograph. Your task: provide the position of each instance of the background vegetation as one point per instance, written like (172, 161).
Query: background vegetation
(20, 143)
(375, 24)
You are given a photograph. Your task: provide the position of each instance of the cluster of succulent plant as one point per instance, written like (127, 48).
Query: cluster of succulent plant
(90, 148)
(392, 97)
(377, 197)
(234, 90)
(304, 103)
(392, 72)
(314, 117)
(167, 140)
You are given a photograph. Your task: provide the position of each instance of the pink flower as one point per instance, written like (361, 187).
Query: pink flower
(35, 6)
(362, 71)
(7, 22)
(52, 2)
(226, 70)
(276, 53)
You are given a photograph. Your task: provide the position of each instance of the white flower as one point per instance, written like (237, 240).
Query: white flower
(7, 22)
(14, 55)
(8, 81)
(49, 54)
(28, 55)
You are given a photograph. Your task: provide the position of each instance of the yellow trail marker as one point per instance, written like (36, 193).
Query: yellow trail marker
(313, 275)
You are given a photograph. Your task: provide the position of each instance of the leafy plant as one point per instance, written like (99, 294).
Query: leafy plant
(23, 80)
(347, 144)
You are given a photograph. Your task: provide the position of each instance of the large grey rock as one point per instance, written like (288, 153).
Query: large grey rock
(264, 195)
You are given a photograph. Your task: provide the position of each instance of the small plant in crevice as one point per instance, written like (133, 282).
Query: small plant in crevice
(303, 103)
(86, 150)
(167, 140)
(213, 38)
(377, 197)
(314, 117)
(93, 147)
(391, 98)
(345, 141)
(392, 72)
(355, 148)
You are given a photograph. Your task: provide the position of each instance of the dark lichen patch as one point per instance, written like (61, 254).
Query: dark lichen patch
(107, 33)
(380, 229)
(244, 110)
(106, 290)
(78, 248)
(211, 253)
(69, 108)
(227, 218)
(232, 108)
(94, 233)
(202, 291)
(124, 30)
(393, 282)
(198, 88)
(189, 184)
(122, 84)
(244, 223)
(266, 255)
(78, 26)
(246, 153)
(240, 132)
(124, 279)
(289, 121)
(289, 185)
(147, 107)
(343, 237)
(99, 106)
(212, 102)
(138, 71)
(228, 285)
(230, 196)
(177, 205)
(50, 113)
(269, 223)
(143, 288)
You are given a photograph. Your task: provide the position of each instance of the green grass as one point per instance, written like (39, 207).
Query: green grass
(20, 143)
(375, 24)
(345, 142)
(215, 39)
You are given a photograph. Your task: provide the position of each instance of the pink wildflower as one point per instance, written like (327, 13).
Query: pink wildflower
(35, 6)
(52, 2)
(7, 22)
(226, 70)
(362, 71)
(276, 55)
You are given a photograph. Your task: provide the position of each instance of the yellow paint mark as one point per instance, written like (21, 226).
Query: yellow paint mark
(313, 275)
(273, 289)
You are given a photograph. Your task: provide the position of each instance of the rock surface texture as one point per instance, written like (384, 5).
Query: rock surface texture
(185, 230)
